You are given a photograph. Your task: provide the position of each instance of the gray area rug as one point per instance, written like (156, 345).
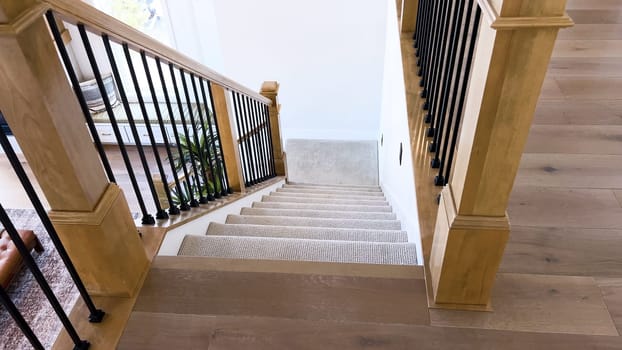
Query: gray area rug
(28, 297)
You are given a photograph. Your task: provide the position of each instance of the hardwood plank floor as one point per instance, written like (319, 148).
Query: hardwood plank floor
(570, 171)
(612, 293)
(537, 303)
(564, 251)
(259, 333)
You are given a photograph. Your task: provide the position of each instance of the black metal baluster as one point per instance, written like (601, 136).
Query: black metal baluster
(251, 139)
(467, 70)
(260, 142)
(429, 54)
(195, 133)
(222, 155)
(73, 78)
(205, 158)
(38, 275)
(160, 213)
(19, 320)
(264, 139)
(214, 136)
(435, 118)
(262, 111)
(270, 144)
(96, 315)
(173, 209)
(184, 206)
(154, 148)
(147, 218)
(433, 89)
(416, 34)
(245, 137)
(455, 60)
(423, 37)
(193, 201)
(241, 138)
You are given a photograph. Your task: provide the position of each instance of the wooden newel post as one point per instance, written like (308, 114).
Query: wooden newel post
(91, 215)
(513, 52)
(270, 89)
(225, 116)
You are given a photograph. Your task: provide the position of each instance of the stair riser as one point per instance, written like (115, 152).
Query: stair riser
(299, 250)
(318, 214)
(354, 208)
(303, 200)
(312, 222)
(335, 193)
(328, 188)
(326, 196)
(216, 229)
(348, 187)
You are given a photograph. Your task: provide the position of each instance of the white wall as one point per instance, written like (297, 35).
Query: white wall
(397, 180)
(328, 56)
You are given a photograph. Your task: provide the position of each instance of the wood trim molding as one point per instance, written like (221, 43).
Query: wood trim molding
(471, 222)
(23, 20)
(95, 217)
(499, 22)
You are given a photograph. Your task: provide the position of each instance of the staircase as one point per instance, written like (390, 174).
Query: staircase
(305, 222)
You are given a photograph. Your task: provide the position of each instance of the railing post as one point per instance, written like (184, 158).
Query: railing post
(514, 47)
(270, 89)
(229, 140)
(90, 214)
(408, 20)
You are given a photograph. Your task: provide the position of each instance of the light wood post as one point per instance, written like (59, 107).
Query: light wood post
(408, 20)
(225, 116)
(514, 47)
(270, 89)
(91, 215)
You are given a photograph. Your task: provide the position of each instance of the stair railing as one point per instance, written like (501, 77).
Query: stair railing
(474, 70)
(166, 116)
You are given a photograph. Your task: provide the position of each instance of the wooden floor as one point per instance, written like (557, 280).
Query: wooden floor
(560, 283)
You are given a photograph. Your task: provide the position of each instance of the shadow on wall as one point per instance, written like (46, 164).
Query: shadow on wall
(333, 162)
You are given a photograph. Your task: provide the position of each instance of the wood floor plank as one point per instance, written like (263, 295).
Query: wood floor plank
(581, 66)
(612, 31)
(591, 88)
(588, 48)
(609, 16)
(578, 112)
(593, 4)
(570, 170)
(538, 303)
(618, 195)
(574, 139)
(612, 293)
(563, 251)
(314, 297)
(551, 89)
(166, 331)
(561, 207)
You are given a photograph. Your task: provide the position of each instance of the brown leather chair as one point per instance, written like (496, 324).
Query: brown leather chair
(10, 259)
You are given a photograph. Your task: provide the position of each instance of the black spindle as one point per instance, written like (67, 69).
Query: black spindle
(266, 112)
(195, 171)
(173, 209)
(242, 139)
(222, 180)
(154, 147)
(205, 158)
(96, 315)
(147, 218)
(195, 134)
(78, 91)
(260, 140)
(160, 213)
(467, 70)
(455, 61)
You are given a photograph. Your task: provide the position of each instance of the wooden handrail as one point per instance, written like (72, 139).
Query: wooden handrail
(76, 12)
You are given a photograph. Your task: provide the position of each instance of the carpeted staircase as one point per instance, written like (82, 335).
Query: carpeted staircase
(305, 222)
